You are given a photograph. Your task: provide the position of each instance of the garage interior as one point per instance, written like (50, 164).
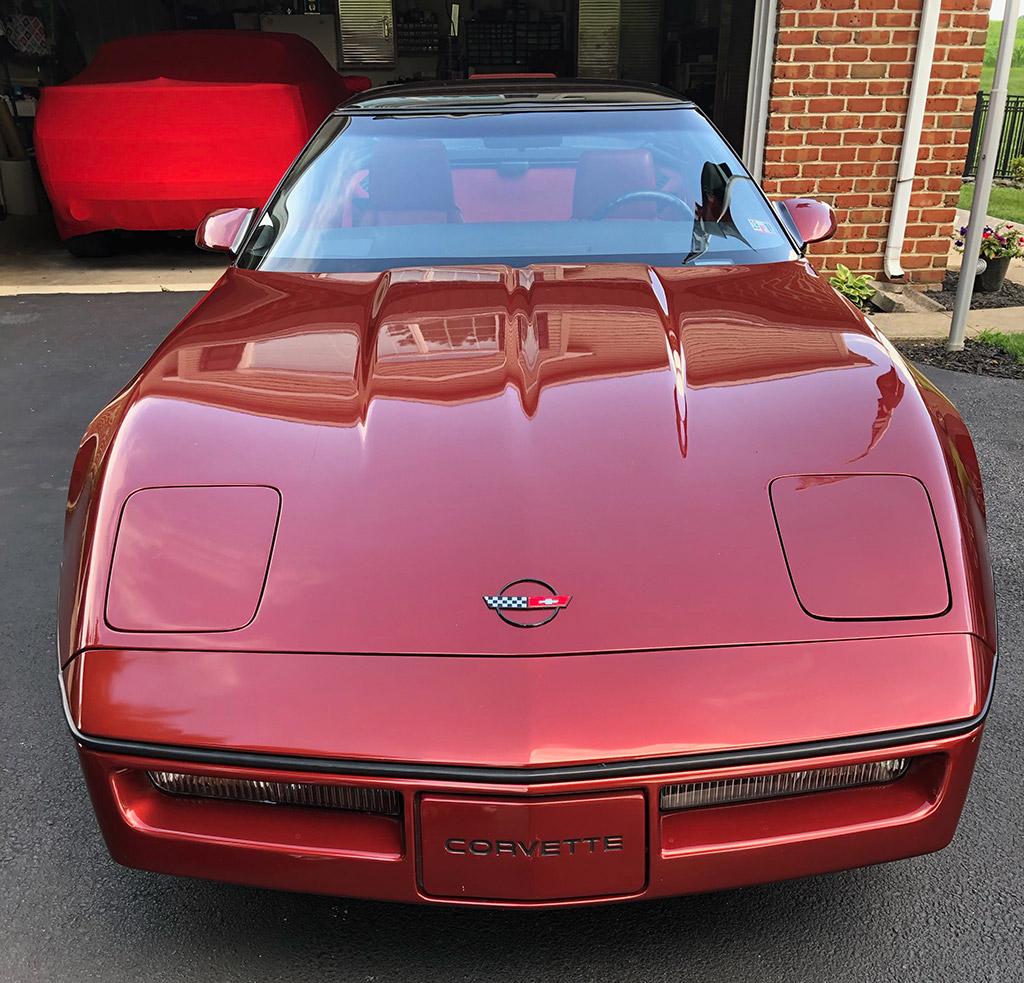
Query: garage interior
(702, 49)
(699, 48)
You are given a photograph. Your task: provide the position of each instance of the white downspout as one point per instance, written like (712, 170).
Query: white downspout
(911, 138)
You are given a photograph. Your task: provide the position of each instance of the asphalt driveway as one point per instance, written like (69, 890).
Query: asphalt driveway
(68, 913)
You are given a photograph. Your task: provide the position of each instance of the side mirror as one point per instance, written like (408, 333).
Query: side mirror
(813, 220)
(222, 231)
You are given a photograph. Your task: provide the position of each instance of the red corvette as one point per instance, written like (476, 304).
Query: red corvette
(521, 520)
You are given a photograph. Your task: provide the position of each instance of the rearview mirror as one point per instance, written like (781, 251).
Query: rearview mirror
(813, 220)
(222, 231)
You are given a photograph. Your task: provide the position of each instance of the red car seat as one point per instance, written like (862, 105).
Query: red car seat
(604, 175)
(409, 183)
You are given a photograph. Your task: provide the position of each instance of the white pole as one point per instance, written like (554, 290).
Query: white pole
(986, 169)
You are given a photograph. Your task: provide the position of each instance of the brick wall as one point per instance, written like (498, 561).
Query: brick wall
(838, 102)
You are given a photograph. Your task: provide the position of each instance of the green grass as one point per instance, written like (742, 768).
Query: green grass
(1016, 87)
(1006, 203)
(1012, 343)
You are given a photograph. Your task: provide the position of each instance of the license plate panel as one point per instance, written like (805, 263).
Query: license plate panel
(502, 849)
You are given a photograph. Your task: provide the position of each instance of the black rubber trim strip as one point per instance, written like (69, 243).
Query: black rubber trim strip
(496, 108)
(529, 776)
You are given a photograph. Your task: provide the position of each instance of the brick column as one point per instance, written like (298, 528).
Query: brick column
(840, 85)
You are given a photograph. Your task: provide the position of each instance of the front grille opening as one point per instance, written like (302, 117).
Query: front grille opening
(352, 798)
(698, 795)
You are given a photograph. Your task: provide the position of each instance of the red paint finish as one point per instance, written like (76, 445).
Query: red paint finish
(832, 525)
(968, 494)
(611, 430)
(523, 712)
(344, 854)
(815, 220)
(191, 559)
(220, 230)
(532, 850)
(316, 832)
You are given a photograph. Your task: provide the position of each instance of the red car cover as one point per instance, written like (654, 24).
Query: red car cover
(161, 129)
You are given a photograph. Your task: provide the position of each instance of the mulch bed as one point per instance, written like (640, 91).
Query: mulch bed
(978, 358)
(1011, 295)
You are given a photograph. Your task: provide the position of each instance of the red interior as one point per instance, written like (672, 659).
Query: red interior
(540, 194)
(414, 183)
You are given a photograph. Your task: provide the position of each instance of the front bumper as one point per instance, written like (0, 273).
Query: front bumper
(532, 786)
(380, 857)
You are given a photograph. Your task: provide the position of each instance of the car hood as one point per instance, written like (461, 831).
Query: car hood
(436, 433)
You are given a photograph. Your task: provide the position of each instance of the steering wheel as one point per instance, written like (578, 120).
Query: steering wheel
(661, 197)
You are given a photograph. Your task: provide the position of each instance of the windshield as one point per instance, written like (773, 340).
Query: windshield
(656, 186)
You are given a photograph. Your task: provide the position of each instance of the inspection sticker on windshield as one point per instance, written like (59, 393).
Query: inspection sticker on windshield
(758, 226)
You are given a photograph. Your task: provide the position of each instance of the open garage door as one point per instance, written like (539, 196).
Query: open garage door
(716, 52)
(702, 49)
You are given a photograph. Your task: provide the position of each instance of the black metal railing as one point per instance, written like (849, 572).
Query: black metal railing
(1011, 142)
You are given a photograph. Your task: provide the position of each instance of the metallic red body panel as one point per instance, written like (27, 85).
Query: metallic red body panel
(191, 559)
(221, 229)
(528, 712)
(694, 851)
(832, 524)
(814, 220)
(539, 849)
(613, 430)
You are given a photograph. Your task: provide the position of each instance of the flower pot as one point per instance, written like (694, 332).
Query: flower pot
(991, 280)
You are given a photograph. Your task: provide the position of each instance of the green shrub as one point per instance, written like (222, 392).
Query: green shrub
(856, 289)
(1017, 169)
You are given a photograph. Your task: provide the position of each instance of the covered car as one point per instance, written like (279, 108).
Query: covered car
(159, 129)
(522, 520)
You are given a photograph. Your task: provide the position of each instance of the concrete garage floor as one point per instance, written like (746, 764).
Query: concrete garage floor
(33, 261)
(67, 913)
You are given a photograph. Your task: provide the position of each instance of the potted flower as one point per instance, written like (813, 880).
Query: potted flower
(999, 244)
